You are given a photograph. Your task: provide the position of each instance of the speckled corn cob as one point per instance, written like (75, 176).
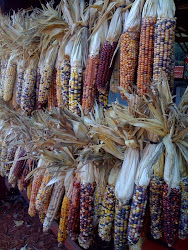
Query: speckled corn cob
(86, 214)
(107, 214)
(183, 223)
(146, 53)
(62, 232)
(120, 224)
(164, 48)
(155, 202)
(171, 213)
(129, 44)
(97, 205)
(29, 189)
(17, 167)
(4, 152)
(137, 213)
(10, 157)
(74, 211)
(19, 84)
(64, 82)
(9, 80)
(103, 99)
(44, 194)
(89, 88)
(35, 187)
(55, 201)
(3, 68)
(104, 70)
(75, 88)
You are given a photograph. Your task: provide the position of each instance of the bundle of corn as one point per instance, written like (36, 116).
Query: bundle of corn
(107, 53)
(171, 193)
(74, 210)
(37, 179)
(115, 78)
(19, 81)
(156, 188)
(62, 231)
(146, 48)
(124, 191)
(108, 207)
(55, 201)
(76, 77)
(89, 88)
(164, 41)
(29, 85)
(10, 76)
(17, 166)
(47, 73)
(139, 200)
(129, 44)
(87, 190)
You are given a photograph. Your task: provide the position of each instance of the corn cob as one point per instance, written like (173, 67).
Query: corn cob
(107, 214)
(64, 82)
(171, 213)
(115, 78)
(9, 80)
(26, 171)
(20, 186)
(4, 64)
(89, 88)
(120, 224)
(55, 201)
(75, 89)
(86, 214)
(58, 86)
(138, 245)
(47, 73)
(51, 98)
(163, 48)
(102, 99)
(44, 194)
(62, 232)
(155, 202)
(29, 85)
(137, 213)
(10, 157)
(183, 223)
(38, 105)
(4, 152)
(55, 87)
(42, 216)
(17, 167)
(29, 189)
(1, 83)
(97, 205)
(146, 52)
(35, 187)
(74, 211)
(19, 82)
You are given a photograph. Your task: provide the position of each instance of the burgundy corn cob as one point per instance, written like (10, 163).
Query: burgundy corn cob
(155, 202)
(74, 211)
(104, 70)
(137, 214)
(183, 223)
(171, 213)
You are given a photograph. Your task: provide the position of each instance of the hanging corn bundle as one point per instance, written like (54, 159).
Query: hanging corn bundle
(74, 210)
(108, 207)
(89, 88)
(37, 179)
(129, 44)
(10, 76)
(17, 166)
(156, 188)
(20, 80)
(55, 201)
(124, 191)
(146, 48)
(139, 201)
(76, 77)
(106, 61)
(62, 231)
(47, 73)
(164, 41)
(29, 85)
(87, 190)
(171, 193)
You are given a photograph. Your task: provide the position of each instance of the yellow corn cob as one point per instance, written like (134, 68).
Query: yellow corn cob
(10, 76)
(64, 81)
(35, 187)
(62, 232)
(29, 189)
(75, 87)
(55, 201)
